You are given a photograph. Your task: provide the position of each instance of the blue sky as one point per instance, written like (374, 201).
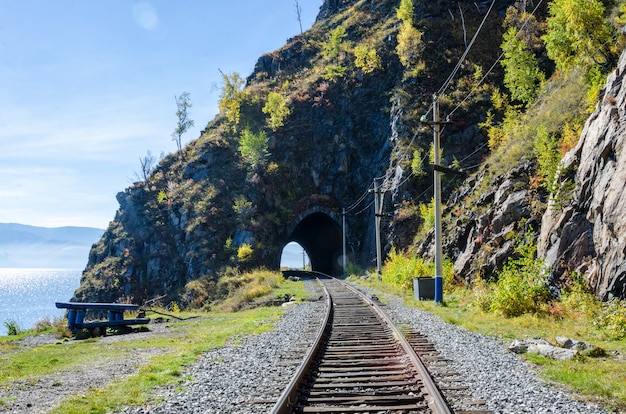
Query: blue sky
(87, 87)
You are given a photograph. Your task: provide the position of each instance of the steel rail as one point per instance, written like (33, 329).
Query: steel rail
(438, 403)
(288, 400)
(289, 397)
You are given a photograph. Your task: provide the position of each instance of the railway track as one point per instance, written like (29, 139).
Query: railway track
(361, 363)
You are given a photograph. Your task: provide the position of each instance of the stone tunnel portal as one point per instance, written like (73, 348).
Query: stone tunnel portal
(320, 235)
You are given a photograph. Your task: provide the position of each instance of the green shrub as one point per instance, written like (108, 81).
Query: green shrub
(522, 75)
(353, 269)
(12, 328)
(254, 148)
(522, 283)
(546, 148)
(482, 295)
(400, 269)
(612, 319)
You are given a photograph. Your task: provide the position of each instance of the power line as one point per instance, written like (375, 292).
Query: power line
(365, 209)
(464, 55)
(445, 85)
(356, 203)
(532, 14)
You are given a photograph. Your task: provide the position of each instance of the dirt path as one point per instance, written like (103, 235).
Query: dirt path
(44, 393)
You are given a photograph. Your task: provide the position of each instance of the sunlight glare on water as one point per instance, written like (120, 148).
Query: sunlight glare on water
(28, 295)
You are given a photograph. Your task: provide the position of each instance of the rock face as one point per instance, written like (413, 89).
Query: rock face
(193, 216)
(480, 236)
(586, 233)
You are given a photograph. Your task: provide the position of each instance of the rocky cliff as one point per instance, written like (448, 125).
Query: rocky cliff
(585, 231)
(206, 212)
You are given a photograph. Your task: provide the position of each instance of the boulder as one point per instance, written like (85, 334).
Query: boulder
(542, 347)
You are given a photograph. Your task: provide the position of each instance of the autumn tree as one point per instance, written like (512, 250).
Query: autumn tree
(184, 123)
(231, 97)
(410, 46)
(578, 34)
(366, 58)
(277, 110)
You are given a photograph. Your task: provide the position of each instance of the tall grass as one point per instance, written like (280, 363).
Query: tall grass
(400, 270)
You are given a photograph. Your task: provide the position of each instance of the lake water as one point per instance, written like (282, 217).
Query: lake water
(28, 295)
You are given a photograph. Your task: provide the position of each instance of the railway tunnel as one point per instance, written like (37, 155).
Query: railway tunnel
(320, 235)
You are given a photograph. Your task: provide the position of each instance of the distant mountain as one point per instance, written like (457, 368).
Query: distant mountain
(42, 247)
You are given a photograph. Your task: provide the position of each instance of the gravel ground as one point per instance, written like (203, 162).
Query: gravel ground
(246, 377)
(505, 381)
(249, 374)
(238, 378)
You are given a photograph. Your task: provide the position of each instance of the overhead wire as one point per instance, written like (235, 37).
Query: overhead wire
(446, 84)
(442, 89)
(360, 199)
(366, 208)
(480, 82)
(465, 53)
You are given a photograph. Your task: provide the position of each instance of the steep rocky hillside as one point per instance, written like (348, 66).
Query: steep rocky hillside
(586, 232)
(355, 102)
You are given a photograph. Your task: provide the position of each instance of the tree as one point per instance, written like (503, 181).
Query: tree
(333, 46)
(184, 123)
(277, 109)
(231, 97)
(254, 148)
(299, 14)
(410, 46)
(147, 166)
(404, 12)
(577, 34)
(522, 75)
(366, 58)
(333, 50)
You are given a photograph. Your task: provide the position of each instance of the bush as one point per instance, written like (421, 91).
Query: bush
(482, 295)
(12, 328)
(522, 283)
(578, 299)
(244, 253)
(612, 319)
(400, 269)
(353, 269)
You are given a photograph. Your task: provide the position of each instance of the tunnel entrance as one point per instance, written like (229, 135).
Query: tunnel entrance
(294, 256)
(320, 235)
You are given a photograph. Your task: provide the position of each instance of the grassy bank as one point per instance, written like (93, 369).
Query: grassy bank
(599, 378)
(173, 346)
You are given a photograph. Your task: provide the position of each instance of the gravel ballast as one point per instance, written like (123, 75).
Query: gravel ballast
(247, 377)
(503, 379)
